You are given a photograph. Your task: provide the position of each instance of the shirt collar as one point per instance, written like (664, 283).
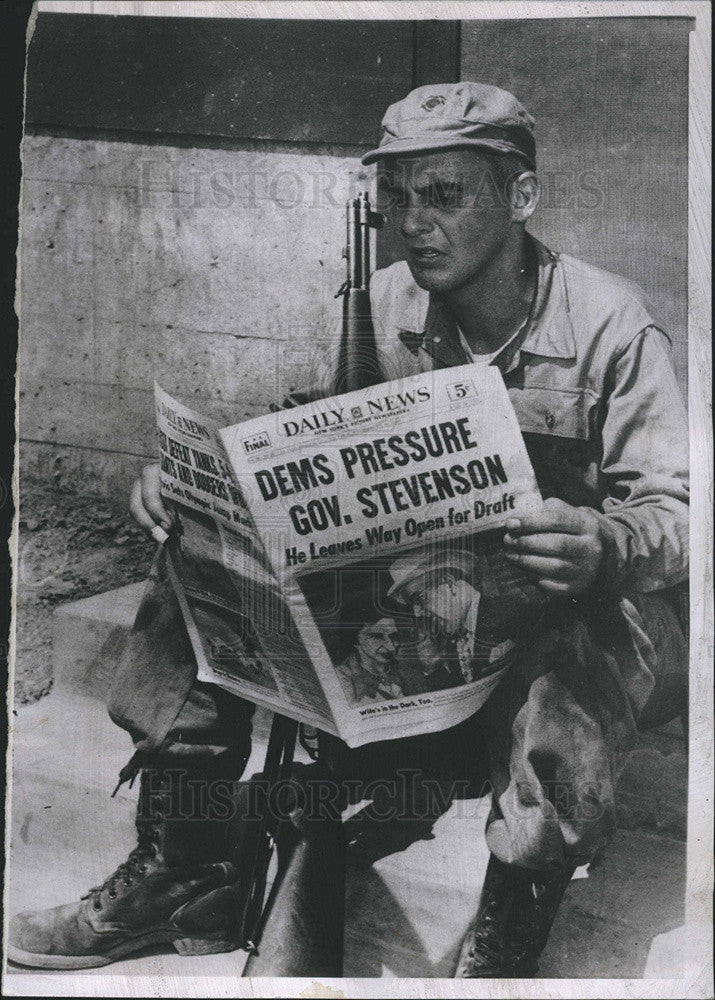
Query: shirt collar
(424, 321)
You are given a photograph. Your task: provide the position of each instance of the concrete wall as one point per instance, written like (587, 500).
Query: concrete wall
(212, 271)
(610, 99)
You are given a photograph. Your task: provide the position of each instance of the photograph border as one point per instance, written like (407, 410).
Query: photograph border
(697, 933)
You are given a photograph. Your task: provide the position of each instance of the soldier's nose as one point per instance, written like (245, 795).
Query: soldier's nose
(415, 223)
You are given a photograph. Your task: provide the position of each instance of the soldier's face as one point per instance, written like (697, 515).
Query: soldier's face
(451, 214)
(380, 642)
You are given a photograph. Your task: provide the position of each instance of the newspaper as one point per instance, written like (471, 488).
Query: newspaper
(342, 562)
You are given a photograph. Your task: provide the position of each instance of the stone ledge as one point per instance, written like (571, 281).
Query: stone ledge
(87, 636)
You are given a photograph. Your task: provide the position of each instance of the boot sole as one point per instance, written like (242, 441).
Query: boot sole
(209, 945)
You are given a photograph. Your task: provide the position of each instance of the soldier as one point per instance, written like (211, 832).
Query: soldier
(589, 373)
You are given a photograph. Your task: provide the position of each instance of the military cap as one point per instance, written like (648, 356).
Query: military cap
(415, 566)
(453, 116)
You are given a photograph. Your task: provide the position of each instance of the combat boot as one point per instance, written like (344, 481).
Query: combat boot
(176, 886)
(516, 911)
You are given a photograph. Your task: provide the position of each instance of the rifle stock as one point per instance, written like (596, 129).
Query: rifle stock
(302, 933)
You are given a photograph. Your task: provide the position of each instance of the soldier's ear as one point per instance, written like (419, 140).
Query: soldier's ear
(523, 192)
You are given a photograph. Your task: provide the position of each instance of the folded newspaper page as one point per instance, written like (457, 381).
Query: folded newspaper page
(237, 618)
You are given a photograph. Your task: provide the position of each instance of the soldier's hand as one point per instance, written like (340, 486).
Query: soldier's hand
(145, 503)
(560, 546)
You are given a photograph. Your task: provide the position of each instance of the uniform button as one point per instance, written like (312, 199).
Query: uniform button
(550, 420)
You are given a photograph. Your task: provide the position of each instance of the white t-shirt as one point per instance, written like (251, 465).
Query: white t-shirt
(484, 359)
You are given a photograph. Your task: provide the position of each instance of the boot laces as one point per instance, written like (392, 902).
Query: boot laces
(484, 939)
(146, 850)
(134, 867)
(130, 770)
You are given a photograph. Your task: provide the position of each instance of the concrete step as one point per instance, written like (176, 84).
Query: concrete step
(87, 635)
(406, 913)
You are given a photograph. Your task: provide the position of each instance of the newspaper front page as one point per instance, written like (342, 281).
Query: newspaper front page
(381, 513)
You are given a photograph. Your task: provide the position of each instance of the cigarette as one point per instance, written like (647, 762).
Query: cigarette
(158, 534)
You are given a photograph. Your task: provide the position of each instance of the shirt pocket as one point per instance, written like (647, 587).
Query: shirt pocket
(555, 412)
(558, 429)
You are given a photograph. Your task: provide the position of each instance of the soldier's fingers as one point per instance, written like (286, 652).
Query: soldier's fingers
(565, 519)
(151, 496)
(137, 509)
(555, 543)
(554, 586)
(553, 503)
(542, 566)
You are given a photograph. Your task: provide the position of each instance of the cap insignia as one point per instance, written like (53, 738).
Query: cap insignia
(436, 101)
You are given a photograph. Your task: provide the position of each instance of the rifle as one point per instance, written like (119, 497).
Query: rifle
(299, 929)
(358, 363)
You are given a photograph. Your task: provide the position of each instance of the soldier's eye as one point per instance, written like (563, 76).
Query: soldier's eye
(446, 195)
(390, 197)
